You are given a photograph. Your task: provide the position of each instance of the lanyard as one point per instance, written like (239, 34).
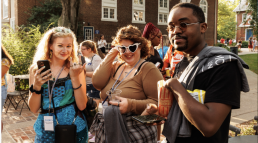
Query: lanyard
(113, 88)
(50, 94)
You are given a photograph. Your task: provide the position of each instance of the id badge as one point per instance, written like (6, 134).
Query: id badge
(48, 123)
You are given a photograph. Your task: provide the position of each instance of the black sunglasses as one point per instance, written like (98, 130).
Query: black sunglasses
(132, 48)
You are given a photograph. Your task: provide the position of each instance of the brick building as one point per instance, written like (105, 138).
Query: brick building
(14, 11)
(107, 16)
(243, 21)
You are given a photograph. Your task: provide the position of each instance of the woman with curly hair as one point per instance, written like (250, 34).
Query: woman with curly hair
(60, 91)
(134, 77)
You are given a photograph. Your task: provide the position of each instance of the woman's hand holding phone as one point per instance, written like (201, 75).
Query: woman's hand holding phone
(41, 78)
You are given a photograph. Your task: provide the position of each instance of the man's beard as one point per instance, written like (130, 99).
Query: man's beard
(181, 48)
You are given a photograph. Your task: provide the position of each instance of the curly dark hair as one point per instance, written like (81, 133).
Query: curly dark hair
(133, 34)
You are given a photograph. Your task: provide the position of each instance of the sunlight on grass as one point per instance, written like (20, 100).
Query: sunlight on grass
(252, 62)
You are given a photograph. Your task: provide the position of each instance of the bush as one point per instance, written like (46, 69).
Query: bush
(223, 46)
(244, 44)
(21, 45)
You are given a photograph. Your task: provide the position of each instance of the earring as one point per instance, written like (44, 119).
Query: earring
(50, 54)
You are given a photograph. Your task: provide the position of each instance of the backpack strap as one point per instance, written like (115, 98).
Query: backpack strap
(92, 59)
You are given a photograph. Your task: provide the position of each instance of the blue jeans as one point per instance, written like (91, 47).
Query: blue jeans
(3, 96)
(92, 92)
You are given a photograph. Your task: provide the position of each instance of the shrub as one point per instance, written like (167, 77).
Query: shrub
(21, 45)
(244, 44)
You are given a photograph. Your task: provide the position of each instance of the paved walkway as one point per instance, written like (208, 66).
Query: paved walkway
(19, 128)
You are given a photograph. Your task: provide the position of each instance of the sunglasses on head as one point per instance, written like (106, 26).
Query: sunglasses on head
(131, 48)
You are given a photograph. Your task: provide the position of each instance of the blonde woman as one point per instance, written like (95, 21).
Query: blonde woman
(67, 81)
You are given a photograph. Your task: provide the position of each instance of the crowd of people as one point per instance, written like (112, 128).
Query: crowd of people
(137, 61)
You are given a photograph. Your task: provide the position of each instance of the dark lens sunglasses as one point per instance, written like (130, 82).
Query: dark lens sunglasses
(183, 26)
(131, 48)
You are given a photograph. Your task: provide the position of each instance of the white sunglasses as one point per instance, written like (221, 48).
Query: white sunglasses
(131, 48)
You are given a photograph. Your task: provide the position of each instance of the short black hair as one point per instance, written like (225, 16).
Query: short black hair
(197, 11)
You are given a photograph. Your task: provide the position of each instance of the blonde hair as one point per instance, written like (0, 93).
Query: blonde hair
(133, 34)
(89, 45)
(43, 48)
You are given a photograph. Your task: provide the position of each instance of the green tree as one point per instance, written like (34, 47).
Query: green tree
(226, 19)
(253, 8)
(46, 14)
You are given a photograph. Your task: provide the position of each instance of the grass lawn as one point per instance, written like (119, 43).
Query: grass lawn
(252, 61)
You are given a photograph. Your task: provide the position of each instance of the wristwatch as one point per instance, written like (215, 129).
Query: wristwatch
(37, 92)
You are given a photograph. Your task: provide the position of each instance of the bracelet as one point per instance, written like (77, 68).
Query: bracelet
(37, 92)
(78, 87)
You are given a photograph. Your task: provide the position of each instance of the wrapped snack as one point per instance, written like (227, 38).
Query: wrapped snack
(165, 99)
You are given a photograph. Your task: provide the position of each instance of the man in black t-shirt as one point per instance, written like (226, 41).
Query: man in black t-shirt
(209, 91)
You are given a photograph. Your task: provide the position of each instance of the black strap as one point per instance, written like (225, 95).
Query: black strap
(75, 107)
(92, 59)
(42, 111)
(139, 68)
(118, 68)
(135, 72)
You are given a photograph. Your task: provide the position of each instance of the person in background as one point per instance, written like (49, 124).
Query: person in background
(59, 47)
(88, 49)
(154, 35)
(254, 43)
(102, 44)
(239, 44)
(222, 40)
(162, 52)
(136, 78)
(250, 44)
(7, 61)
(230, 42)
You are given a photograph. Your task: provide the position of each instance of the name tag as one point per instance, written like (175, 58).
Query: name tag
(48, 123)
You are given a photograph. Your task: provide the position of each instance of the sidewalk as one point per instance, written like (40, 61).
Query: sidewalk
(19, 128)
(248, 102)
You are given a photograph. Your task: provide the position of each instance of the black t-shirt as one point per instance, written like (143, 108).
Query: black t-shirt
(156, 58)
(222, 85)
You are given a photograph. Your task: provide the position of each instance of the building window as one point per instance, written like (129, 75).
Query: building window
(138, 11)
(88, 32)
(204, 6)
(12, 23)
(163, 18)
(244, 16)
(109, 10)
(163, 3)
(163, 10)
(185, 0)
(5, 9)
(138, 2)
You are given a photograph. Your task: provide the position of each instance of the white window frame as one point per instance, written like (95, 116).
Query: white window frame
(244, 16)
(163, 1)
(5, 9)
(205, 14)
(92, 36)
(139, 8)
(185, 1)
(110, 4)
(12, 23)
(164, 11)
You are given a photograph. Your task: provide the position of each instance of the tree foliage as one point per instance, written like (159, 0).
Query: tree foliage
(47, 13)
(21, 45)
(253, 8)
(226, 19)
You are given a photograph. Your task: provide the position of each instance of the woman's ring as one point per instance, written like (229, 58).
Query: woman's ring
(118, 104)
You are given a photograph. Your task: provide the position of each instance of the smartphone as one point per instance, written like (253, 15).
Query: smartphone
(42, 63)
(148, 118)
